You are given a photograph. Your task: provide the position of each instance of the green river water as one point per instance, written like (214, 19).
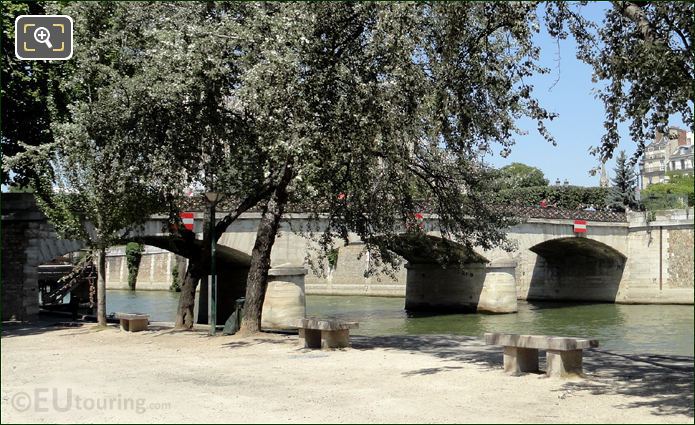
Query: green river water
(643, 329)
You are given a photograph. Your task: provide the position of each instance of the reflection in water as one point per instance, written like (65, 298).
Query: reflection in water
(655, 329)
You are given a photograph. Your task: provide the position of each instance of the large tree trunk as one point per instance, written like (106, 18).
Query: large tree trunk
(101, 287)
(257, 280)
(184, 315)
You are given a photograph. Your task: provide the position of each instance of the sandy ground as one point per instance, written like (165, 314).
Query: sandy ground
(77, 374)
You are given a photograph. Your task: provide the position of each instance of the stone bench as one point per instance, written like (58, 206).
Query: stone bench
(563, 355)
(133, 322)
(325, 333)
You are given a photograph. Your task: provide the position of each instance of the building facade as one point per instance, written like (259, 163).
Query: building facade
(668, 154)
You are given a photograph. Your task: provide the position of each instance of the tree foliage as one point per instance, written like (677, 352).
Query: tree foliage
(439, 94)
(24, 96)
(569, 197)
(171, 70)
(516, 175)
(94, 169)
(385, 104)
(643, 53)
(371, 113)
(670, 194)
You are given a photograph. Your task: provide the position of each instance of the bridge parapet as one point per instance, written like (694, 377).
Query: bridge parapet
(198, 203)
(561, 213)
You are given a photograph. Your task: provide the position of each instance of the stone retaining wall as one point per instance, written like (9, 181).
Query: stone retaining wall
(155, 272)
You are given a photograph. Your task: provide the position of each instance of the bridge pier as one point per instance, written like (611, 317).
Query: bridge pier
(499, 288)
(430, 287)
(285, 301)
(475, 288)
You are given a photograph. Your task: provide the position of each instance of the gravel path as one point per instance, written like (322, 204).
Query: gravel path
(79, 374)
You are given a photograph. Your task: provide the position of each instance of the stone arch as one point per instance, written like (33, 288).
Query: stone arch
(465, 282)
(224, 252)
(577, 246)
(427, 249)
(232, 272)
(50, 246)
(576, 269)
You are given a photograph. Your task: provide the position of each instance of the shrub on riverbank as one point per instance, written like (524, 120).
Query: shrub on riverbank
(133, 254)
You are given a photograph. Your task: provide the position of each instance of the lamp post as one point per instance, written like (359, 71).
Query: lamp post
(213, 198)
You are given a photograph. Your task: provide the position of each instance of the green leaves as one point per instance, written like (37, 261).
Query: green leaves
(622, 194)
(642, 53)
(378, 111)
(389, 107)
(678, 191)
(570, 197)
(516, 175)
(133, 254)
(25, 102)
(99, 160)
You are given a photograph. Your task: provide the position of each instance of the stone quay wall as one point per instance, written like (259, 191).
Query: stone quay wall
(156, 271)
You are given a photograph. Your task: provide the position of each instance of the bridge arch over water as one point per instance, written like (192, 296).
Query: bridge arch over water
(576, 269)
(447, 276)
(29, 240)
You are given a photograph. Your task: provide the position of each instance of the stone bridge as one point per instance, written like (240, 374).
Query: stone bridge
(620, 258)
(627, 259)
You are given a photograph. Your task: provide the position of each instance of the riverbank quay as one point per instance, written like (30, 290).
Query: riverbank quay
(77, 373)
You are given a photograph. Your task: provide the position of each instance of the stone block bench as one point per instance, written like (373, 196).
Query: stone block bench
(133, 322)
(563, 355)
(325, 333)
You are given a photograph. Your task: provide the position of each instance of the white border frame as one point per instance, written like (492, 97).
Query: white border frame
(72, 31)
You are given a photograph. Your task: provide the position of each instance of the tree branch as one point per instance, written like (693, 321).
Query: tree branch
(248, 202)
(637, 15)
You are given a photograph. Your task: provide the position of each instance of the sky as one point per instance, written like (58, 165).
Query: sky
(580, 122)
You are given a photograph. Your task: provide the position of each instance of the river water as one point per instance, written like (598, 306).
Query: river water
(643, 329)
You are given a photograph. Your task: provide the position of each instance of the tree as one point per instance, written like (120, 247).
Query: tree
(24, 95)
(670, 194)
(205, 140)
(170, 69)
(380, 103)
(643, 52)
(274, 104)
(516, 175)
(566, 197)
(93, 169)
(622, 194)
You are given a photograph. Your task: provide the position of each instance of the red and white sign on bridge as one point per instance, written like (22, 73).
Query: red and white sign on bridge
(579, 226)
(187, 219)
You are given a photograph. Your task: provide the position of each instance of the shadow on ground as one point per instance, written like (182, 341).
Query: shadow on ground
(669, 379)
(14, 329)
(455, 348)
(245, 342)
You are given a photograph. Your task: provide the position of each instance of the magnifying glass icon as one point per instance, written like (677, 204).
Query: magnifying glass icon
(43, 36)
